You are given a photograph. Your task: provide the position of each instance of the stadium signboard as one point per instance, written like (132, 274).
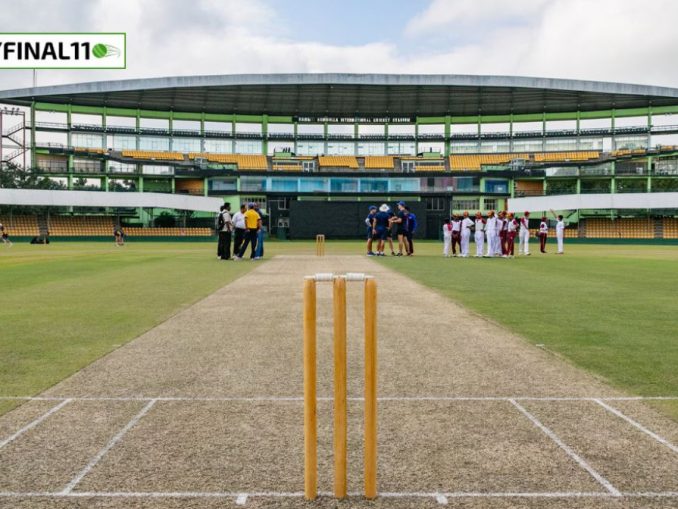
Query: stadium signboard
(355, 120)
(91, 50)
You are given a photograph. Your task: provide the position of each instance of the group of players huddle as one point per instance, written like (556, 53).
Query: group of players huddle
(497, 231)
(380, 224)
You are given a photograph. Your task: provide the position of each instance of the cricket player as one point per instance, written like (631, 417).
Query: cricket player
(466, 225)
(491, 233)
(524, 235)
(543, 234)
(503, 230)
(511, 231)
(447, 238)
(456, 234)
(5, 236)
(560, 232)
(479, 235)
(381, 224)
(372, 211)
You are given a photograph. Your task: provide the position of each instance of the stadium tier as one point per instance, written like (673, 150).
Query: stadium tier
(442, 143)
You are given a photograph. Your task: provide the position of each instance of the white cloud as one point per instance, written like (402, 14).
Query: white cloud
(622, 40)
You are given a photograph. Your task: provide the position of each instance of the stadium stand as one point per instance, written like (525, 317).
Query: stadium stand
(553, 157)
(20, 226)
(670, 228)
(89, 150)
(243, 161)
(288, 165)
(153, 154)
(623, 228)
(80, 226)
(134, 231)
(338, 162)
(379, 162)
(476, 161)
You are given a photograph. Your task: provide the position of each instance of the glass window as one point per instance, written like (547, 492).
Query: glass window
(371, 149)
(148, 143)
(310, 148)
(313, 185)
(116, 167)
(565, 144)
(591, 144)
(595, 123)
(87, 140)
(341, 129)
(225, 184)
(561, 125)
(50, 117)
(495, 146)
(435, 203)
(284, 185)
(315, 129)
(374, 185)
(664, 139)
(431, 129)
(154, 123)
(186, 144)
(528, 146)
(248, 183)
(663, 120)
(279, 146)
(371, 129)
(464, 129)
(340, 149)
(631, 142)
(401, 130)
(218, 146)
(248, 147)
(280, 128)
(246, 127)
(401, 148)
(80, 119)
(219, 127)
(152, 169)
(461, 147)
(186, 125)
(495, 128)
(431, 146)
(526, 127)
(114, 121)
(43, 138)
(466, 183)
(465, 204)
(343, 185)
(496, 186)
(405, 185)
(630, 122)
(121, 142)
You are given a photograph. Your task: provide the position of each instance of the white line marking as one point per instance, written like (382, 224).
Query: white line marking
(242, 499)
(637, 425)
(441, 499)
(34, 423)
(580, 461)
(69, 487)
(275, 399)
(275, 494)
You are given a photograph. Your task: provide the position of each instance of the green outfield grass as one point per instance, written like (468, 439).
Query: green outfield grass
(609, 309)
(63, 306)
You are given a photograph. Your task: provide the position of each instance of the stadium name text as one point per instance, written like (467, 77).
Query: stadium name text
(356, 120)
(62, 51)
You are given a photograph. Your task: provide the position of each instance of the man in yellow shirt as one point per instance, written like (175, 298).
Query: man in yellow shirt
(253, 225)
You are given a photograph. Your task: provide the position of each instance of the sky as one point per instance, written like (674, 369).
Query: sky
(608, 40)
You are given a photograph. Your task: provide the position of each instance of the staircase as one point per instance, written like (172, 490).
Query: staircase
(658, 229)
(43, 225)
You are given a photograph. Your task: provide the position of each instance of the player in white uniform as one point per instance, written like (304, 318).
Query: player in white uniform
(560, 232)
(479, 235)
(466, 225)
(524, 235)
(447, 238)
(490, 232)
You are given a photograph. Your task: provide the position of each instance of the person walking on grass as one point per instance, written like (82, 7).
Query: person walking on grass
(253, 225)
(543, 234)
(560, 232)
(225, 227)
(239, 229)
(372, 211)
(5, 236)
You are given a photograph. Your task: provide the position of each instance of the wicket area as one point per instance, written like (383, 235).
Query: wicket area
(320, 245)
(340, 384)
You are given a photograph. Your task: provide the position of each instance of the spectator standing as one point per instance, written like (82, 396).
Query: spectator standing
(239, 229)
(259, 254)
(253, 225)
(225, 226)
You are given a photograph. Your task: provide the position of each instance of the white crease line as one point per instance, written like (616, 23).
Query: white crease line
(34, 423)
(275, 494)
(637, 425)
(580, 461)
(441, 499)
(69, 487)
(257, 399)
(242, 499)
